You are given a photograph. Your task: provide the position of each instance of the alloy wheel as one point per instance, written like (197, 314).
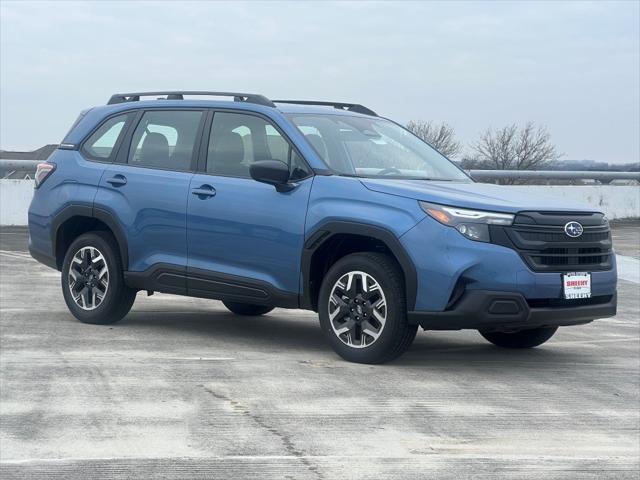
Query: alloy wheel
(88, 278)
(357, 309)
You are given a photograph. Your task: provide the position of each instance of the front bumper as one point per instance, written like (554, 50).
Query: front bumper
(507, 311)
(458, 281)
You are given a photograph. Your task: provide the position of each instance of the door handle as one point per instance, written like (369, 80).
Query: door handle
(117, 180)
(204, 191)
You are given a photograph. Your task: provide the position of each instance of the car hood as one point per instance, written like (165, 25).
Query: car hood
(482, 196)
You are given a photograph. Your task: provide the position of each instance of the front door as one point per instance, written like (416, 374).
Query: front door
(244, 237)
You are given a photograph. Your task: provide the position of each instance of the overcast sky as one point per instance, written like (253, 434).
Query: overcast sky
(573, 66)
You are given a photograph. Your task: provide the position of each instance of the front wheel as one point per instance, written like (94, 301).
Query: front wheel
(522, 339)
(362, 309)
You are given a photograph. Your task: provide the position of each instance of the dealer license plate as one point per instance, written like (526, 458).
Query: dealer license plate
(576, 285)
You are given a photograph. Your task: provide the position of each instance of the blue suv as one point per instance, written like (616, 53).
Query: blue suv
(314, 205)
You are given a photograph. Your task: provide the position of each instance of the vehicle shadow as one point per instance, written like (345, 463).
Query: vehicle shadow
(281, 330)
(273, 330)
(472, 352)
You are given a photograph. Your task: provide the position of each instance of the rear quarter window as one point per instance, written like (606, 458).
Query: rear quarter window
(101, 144)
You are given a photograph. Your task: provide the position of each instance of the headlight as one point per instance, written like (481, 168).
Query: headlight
(473, 224)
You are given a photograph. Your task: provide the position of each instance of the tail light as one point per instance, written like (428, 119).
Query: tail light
(43, 171)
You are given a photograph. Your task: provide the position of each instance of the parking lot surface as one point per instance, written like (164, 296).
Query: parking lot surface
(181, 388)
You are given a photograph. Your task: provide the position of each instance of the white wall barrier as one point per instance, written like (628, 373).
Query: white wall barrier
(15, 196)
(617, 201)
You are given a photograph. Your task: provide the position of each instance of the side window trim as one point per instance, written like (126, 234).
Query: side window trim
(197, 142)
(123, 150)
(128, 121)
(123, 153)
(202, 164)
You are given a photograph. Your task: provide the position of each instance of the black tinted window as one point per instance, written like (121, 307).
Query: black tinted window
(165, 139)
(100, 145)
(238, 140)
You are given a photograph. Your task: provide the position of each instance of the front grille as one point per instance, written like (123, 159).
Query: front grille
(569, 256)
(540, 239)
(561, 237)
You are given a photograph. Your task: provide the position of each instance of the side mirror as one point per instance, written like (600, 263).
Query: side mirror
(273, 172)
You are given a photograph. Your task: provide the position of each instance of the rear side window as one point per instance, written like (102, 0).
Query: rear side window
(165, 139)
(100, 145)
(237, 140)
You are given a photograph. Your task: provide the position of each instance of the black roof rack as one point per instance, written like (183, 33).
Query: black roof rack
(237, 97)
(178, 95)
(350, 107)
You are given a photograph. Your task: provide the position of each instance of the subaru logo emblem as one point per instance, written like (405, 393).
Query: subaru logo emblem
(573, 229)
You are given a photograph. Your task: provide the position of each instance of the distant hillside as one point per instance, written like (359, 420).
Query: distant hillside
(593, 165)
(41, 153)
(563, 165)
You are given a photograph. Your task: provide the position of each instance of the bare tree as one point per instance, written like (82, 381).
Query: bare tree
(513, 148)
(472, 163)
(439, 135)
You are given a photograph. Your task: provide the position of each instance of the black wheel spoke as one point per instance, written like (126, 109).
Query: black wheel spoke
(346, 326)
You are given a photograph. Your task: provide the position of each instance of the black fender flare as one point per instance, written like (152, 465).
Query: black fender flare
(327, 230)
(87, 211)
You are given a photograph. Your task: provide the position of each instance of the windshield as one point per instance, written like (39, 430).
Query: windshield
(374, 147)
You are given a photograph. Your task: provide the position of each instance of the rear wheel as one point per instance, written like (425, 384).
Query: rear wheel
(362, 309)
(92, 280)
(247, 309)
(522, 339)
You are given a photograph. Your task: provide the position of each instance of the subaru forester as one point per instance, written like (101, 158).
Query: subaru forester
(311, 205)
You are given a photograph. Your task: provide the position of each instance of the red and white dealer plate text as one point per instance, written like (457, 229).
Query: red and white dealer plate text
(576, 285)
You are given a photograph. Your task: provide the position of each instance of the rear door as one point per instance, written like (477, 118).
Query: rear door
(82, 169)
(245, 237)
(147, 189)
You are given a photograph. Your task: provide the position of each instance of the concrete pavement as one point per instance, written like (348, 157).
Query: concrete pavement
(181, 388)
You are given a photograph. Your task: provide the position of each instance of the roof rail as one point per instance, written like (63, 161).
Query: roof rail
(179, 95)
(350, 107)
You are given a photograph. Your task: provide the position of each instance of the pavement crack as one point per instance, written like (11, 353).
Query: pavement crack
(284, 438)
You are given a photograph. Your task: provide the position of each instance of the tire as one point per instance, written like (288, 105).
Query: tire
(522, 339)
(355, 311)
(117, 298)
(247, 309)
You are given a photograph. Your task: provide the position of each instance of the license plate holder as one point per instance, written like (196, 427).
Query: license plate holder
(576, 285)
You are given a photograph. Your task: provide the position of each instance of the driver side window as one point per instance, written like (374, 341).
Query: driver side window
(237, 140)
